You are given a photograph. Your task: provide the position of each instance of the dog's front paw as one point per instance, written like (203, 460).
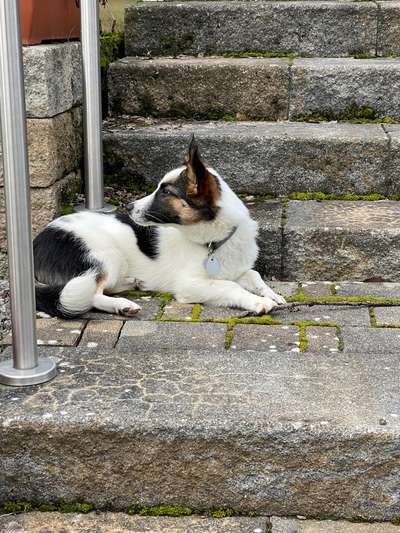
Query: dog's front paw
(267, 292)
(126, 307)
(264, 306)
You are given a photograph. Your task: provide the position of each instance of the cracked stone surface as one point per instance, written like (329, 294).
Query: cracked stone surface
(269, 339)
(101, 334)
(378, 340)
(246, 430)
(52, 331)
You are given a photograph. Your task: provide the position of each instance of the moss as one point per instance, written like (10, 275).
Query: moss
(265, 320)
(47, 507)
(352, 299)
(196, 311)
(159, 510)
(176, 45)
(363, 55)
(350, 197)
(372, 317)
(395, 521)
(18, 506)
(111, 48)
(340, 339)
(118, 176)
(303, 339)
(76, 508)
(68, 200)
(305, 323)
(353, 113)
(229, 118)
(255, 53)
(229, 336)
(223, 513)
(333, 289)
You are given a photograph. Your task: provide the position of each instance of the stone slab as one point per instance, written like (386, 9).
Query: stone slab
(101, 334)
(268, 339)
(216, 27)
(352, 316)
(388, 28)
(268, 214)
(149, 309)
(317, 289)
(378, 340)
(54, 146)
(171, 336)
(212, 312)
(53, 78)
(202, 429)
(387, 316)
(176, 310)
(186, 87)
(287, 525)
(284, 288)
(330, 87)
(257, 157)
(120, 522)
(45, 204)
(55, 332)
(321, 339)
(374, 290)
(342, 240)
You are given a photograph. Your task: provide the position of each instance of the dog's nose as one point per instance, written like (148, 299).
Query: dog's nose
(130, 206)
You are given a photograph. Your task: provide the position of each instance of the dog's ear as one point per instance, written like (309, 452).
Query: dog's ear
(202, 183)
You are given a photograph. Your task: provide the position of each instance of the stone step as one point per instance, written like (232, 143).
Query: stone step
(269, 433)
(338, 28)
(256, 88)
(259, 157)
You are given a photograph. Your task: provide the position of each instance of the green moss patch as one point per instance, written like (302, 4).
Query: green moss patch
(111, 48)
(196, 311)
(353, 113)
(349, 197)
(159, 510)
(303, 339)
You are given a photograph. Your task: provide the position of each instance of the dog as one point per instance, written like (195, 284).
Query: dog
(192, 237)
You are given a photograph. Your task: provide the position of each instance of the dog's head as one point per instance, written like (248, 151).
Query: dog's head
(186, 195)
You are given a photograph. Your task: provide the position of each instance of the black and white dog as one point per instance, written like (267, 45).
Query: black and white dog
(192, 237)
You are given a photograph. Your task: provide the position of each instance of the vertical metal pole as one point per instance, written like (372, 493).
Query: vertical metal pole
(26, 368)
(90, 39)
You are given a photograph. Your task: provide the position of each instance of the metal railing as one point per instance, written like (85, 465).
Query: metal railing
(26, 368)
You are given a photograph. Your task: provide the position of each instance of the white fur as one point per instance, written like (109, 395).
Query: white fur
(178, 267)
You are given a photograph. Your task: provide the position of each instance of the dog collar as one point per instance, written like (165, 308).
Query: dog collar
(213, 246)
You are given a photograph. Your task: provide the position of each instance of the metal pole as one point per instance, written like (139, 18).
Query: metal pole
(26, 368)
(90, 39)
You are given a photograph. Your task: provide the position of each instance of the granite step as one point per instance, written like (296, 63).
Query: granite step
(256, 88)
(259, 158)
(257, 432)
(338, 28)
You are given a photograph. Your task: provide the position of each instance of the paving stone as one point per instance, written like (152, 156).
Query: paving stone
(371, 340)
(330, 87)
(388, 28)
(259, 157)
(45, 204)
(352, 316)
(317, 289)
(322, 339)
(101, 333)
(215, 27)
(185, 87)
(53, 78)
(212, 312)
(149, 309)
(171, 336)
(373, 290)
(387, 316)
(120, 522)
(206, 429)
(55, 332)
(268, 339)
(339, 240)
(176, 310)
(284, 288)
(287, 525)
(268, 214)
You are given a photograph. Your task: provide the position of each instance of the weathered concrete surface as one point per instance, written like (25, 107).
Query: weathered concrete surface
(170, 336)
(387, 316)
(331, 87)
(102, 334)
(294, 434)
(120, 523)
(55, 332)
(215, 27)
(336, 240)
(379, 340)
(149, 310)
(321, 339)
(268, 214)
(269, 339)
(258, 157)
(200, 87)
(285, 525)
(388, 28)
(53, 79)
(45, 204)
(324, 314)
(374, 290)
(318, 289)
(54, 146)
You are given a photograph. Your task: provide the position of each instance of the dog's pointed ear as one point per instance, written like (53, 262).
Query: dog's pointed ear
(196, 169)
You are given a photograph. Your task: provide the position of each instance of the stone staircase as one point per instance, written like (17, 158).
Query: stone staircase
(295, 103)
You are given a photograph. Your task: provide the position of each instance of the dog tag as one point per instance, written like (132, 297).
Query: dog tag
(212, 266)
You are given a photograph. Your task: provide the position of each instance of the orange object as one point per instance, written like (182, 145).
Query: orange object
(49, 20)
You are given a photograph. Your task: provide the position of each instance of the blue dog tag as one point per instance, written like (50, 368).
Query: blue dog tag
(212, 266)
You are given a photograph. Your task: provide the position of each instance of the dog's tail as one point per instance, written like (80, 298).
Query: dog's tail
(68, 301)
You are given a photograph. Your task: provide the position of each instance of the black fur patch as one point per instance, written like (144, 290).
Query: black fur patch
(146, 236)
(59, 256)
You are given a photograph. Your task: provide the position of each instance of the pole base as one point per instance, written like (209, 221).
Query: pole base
(44, 371)
(107, 209)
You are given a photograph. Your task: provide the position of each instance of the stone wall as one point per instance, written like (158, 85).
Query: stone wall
(54, 120)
